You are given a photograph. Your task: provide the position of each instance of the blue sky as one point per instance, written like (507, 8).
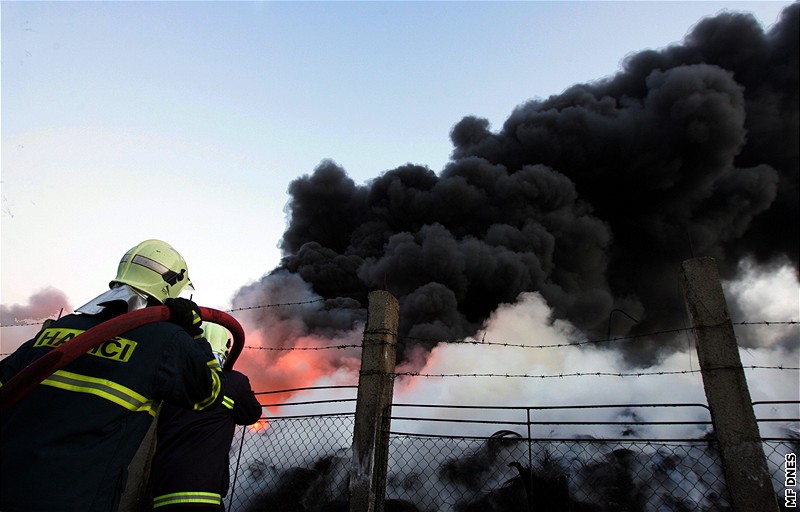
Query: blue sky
(186, 121)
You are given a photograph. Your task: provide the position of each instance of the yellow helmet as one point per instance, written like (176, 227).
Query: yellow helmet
(219, 339)
(153, 267)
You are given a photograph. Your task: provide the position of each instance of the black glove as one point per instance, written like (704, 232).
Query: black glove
(186, 314)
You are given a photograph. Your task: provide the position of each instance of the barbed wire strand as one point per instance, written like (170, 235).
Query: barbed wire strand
(595, 341)
(467, 341)
(245, 308)
(300, 303)
(576, 374)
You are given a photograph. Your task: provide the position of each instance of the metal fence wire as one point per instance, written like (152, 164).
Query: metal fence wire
(284, 468)
(302, 463)
(494, 474)
(292, 464)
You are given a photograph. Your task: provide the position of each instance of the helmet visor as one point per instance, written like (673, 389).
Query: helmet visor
(170, 276)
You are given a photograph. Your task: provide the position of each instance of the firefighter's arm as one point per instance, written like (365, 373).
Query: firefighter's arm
(191, 376)
(247, 409)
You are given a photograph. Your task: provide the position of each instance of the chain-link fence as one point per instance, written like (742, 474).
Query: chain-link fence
(292, 464)
(781, 456)
(284, 468)
(302, 462)
(510, 473)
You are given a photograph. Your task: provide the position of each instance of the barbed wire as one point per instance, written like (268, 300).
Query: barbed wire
(262, 306)
(574, 374)
(289, 349)
(22, 324)
(467, 341)
(768, 322)
(476, 342)
(245, 308)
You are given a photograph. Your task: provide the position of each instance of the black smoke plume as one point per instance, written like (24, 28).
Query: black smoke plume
(591, 197)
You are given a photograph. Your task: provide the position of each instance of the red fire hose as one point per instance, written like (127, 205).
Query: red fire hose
(23, 382)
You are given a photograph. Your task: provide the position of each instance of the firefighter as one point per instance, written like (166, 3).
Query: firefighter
(190, 468)
(67, 444)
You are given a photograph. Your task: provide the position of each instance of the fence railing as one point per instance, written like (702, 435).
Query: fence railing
(460, 458)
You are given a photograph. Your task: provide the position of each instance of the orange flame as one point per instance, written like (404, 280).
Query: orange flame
(259, 426)
(294, 366)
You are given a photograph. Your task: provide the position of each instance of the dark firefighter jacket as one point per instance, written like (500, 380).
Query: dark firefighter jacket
(191, 463)
(67, 444)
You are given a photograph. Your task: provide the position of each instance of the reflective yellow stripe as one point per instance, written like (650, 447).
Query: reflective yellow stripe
(227, 402)
(103, 388)
(216, 386)
(196, 320)
(175, 498)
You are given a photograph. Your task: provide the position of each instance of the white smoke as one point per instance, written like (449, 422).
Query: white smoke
(690, 476)
(527, 350)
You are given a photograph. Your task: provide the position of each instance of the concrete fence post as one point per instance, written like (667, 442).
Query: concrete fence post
(374, 406)
(735, 426)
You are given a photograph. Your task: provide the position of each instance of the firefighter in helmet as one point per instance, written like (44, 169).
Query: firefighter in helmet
(190, 468)
(67, 444)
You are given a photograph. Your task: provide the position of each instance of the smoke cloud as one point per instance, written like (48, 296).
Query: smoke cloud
(590, 198)
(41, 304)
(46, 303)
(276, 331)
(602, 475)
